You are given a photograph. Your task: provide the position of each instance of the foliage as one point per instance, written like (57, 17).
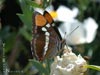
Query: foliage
(16, 39)
(94, 67)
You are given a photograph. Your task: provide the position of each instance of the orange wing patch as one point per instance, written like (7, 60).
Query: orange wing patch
(48, 17)
(40, 20)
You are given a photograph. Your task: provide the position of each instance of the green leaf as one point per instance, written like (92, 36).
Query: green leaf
(42, 70)
(26, 17)
(26, 20)
(24, 6)
(94, 67)
(33, 4)
(46, 3)
(9, 42)
(23, 31)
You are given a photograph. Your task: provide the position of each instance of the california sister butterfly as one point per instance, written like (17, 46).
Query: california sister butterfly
(46, 42)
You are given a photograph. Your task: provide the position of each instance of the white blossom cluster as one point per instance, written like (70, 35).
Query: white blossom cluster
(68, 64)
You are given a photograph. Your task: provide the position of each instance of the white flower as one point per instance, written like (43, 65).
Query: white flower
(85, 33)
(91, 28)
(65, 14)
(68, 64)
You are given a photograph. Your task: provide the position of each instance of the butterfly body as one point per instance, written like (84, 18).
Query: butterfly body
(46, 43)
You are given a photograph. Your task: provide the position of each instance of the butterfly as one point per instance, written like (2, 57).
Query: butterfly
(46, 42)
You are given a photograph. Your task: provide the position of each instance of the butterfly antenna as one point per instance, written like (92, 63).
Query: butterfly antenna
(65, 36)
(72, 31)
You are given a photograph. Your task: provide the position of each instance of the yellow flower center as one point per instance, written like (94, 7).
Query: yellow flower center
(53, 14)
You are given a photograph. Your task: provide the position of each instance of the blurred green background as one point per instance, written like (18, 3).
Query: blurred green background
(16, 33)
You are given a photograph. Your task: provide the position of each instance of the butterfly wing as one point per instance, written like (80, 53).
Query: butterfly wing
(45, 43)
(48, 17)
(55, 40)
(38, 40)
